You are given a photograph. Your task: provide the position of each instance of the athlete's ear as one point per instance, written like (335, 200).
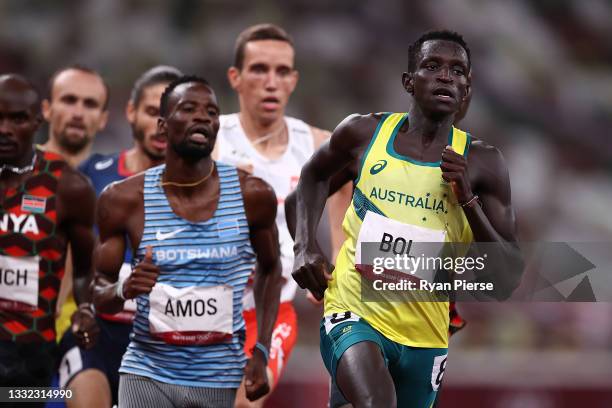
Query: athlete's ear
(130, 112)
(46, 109)
(408, 82)
(103, 121)
(468, 87)
(233, 76)
(295, 76)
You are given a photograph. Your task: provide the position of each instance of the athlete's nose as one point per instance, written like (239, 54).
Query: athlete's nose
(202, 116)
(444, 75)
(271, 80)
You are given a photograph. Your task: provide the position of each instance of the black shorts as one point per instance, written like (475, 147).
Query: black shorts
(105, 356)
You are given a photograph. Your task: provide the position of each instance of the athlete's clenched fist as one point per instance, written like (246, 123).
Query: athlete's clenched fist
(143, 277)
(312, 271)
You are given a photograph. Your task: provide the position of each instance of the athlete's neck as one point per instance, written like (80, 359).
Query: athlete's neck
(136, 160)
(183, 170)
(268, 138)
(427, 127)
(73, 159)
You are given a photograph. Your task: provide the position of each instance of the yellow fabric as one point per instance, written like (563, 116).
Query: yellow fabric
(63, 321)
(412, 193)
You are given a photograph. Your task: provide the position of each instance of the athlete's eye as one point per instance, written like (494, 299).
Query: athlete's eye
(19, 118)
(258, 69)
(188, 107)
(283, 71)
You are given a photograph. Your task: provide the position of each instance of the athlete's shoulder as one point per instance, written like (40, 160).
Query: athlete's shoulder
(360, 123)
(260, 201)
(75, 195)
(478, 148)
(355, 131)
(124, 193)
(488, 162)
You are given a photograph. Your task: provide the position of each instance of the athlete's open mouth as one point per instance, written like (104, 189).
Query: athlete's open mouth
(159, 142)
(444, 93)
(270, 102)
(199, 134)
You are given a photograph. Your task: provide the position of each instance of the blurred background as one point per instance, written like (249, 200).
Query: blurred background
(542, 93)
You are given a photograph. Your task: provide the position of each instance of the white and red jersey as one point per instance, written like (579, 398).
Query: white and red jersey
(281, 173)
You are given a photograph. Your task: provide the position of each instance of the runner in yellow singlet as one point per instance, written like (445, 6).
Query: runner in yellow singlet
(417, 179)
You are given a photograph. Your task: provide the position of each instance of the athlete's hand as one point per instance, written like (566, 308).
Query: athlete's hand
(256, 377)
(84, 327)
(143, 277)
(455, 171)
(312, 271)
(313, 299)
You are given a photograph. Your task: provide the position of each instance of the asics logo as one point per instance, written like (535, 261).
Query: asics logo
(105, 164)
(378, 167)
(160, 236)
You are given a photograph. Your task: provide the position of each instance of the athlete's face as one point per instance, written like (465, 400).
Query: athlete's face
(143, 119)
(19, 120)
(192, 122)
(266, 80)
(440, 83)
(76, 110)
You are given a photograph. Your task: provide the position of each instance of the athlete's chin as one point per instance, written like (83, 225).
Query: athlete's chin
(438, 110)
(193, 150)
(271, 114)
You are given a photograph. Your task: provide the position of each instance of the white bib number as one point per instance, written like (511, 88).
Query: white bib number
(393, 245)
(193, 315)
(437, 373)
(19, 282)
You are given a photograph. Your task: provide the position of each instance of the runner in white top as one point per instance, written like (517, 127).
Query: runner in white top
(262, 140)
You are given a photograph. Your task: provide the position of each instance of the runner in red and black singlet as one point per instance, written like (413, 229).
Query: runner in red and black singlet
(44, 205)
(28, 229)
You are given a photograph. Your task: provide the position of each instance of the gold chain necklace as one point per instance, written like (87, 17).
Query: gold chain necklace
(195, 183)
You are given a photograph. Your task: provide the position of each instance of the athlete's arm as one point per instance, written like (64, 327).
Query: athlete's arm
(340, 181)
(260, 205)
(119, 214)
(76, 202)
(495, 221)
(345, 146)
(338, 201)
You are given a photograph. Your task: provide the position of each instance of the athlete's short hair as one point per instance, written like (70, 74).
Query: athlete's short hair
(257, 33)
(160, 74)
(33, 88)
(447, 35)
(82, 68)
(163, 105)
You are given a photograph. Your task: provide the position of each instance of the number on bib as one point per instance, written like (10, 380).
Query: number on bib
(437, 372)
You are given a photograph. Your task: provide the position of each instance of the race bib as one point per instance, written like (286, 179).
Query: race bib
(19, 283)
(390, 246)
(191, 316)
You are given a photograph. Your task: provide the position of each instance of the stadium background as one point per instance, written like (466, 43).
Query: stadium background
(542, 86)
